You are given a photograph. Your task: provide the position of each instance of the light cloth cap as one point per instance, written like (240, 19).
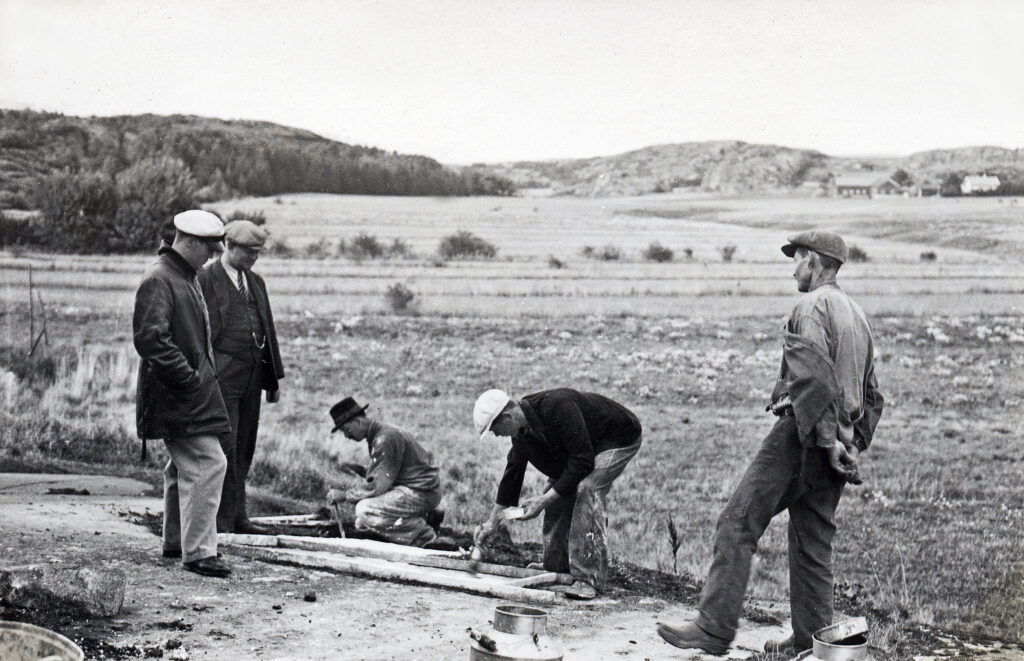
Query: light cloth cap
(822, 242)
(245, 233)
(487, 408)
(199, 223)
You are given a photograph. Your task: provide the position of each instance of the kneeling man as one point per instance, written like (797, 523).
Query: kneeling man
(582, 442)
(400, 489)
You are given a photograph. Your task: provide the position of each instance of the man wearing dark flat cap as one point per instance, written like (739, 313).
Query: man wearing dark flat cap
(247, 357)
(397, 495)
(827, 402)
(178, 399)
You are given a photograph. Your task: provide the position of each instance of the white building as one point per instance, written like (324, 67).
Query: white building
(981, 183)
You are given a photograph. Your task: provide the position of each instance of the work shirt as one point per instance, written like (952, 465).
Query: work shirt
(831, 321)
(566, 429)
(396, 460)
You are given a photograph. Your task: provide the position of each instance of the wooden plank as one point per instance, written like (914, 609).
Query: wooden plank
(367, 548)
(291, 520)
(395, 571)
(248, 540)
(547, 578)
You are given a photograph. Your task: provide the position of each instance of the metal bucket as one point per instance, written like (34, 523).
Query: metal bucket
(845, 641)
(519, 633)
(27, 642)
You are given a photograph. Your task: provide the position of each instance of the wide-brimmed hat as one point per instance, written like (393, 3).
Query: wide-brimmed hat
(344, 411)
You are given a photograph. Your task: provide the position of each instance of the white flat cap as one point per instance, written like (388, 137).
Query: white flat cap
(202, 224)
(487, 408)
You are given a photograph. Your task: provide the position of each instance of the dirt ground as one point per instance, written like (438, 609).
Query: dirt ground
(262, 611)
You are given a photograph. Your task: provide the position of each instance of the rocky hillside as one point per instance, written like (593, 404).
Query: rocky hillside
(738, 168)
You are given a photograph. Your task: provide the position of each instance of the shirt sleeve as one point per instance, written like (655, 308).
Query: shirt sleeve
(812, 328)
(511, 484)
(385, 462)
(572, 429)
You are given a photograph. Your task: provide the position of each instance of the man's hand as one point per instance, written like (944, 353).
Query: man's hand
(534, 506)
(845, 462)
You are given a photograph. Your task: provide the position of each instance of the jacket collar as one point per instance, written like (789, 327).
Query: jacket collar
(175, 258)
(532, 419)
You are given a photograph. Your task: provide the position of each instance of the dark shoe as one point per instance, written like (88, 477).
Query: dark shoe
(690, 636)
(434, 518)
(581, 590)
(247, 527)
(210, 566)
(172, 553)
(787, 647)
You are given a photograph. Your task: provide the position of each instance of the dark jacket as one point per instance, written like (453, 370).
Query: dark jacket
(397, 460)
(567, 430)
(215, 282)
(177, 392)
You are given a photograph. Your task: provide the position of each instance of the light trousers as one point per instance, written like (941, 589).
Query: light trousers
(193, 479)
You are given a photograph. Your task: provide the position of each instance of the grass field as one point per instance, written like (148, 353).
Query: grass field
(934, 535)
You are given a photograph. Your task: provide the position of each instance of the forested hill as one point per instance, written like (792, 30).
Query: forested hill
(226, 158)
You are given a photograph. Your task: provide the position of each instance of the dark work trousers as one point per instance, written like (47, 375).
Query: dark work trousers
(239, 381)
(575, 529)
(775, 481)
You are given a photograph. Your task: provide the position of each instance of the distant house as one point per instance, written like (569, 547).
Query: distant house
(980, 183)
(865, 184)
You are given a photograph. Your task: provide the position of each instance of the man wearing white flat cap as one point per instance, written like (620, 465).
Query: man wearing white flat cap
(582, 442)
(178, 399)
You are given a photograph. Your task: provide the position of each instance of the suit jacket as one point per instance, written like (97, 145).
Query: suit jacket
(177, 392)
(215, 283)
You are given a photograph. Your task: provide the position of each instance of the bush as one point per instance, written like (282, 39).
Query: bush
(318, 250)
(465, 244)
(19, 232)
(688, 252)
(399, 248)
(658, 253)
(858, 254)
(727, 252)
(363, 246)
(78, 211)
(608, 253)
(929, 256)
(257, 217)
(399, 297)
(150, 193)
(279, 248)
(555, 263)
(587, 251)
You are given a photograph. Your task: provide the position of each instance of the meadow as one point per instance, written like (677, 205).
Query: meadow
(934, 536)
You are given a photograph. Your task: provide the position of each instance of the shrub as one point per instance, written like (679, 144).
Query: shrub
(727, 252)
(465, 244)
(149, 194)
(658, 253)
(399, 248)
(257, 217)
(555, 263)
(608, 253)
(19, 232)
(78, 211)
(399, 297)
(929, 256)
(279, 248)
(587, 251)
(858, 254)
(318, 250)
(688, 252)
(363, 246)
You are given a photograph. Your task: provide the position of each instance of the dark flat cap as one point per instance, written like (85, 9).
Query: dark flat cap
(822, 242)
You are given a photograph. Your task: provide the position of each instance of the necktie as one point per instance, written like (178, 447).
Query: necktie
(242, 288)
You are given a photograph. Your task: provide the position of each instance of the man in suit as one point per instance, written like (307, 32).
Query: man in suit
(248, 359)
(178, 399)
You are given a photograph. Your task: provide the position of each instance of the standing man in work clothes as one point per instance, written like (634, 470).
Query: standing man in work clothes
(582, 441)
(397, 495)
(178, 399)
(247, 357)
(828, 404)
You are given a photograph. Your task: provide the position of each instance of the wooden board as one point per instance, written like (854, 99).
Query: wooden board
(390, 570)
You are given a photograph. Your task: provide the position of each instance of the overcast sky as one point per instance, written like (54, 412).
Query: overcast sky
(466, 81)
